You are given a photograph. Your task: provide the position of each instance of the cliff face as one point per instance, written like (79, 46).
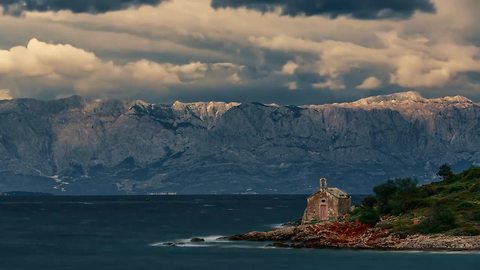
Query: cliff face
(91, 146)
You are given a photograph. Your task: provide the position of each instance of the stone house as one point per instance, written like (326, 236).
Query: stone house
(326, 204)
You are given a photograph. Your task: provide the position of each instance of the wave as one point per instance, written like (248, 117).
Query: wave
(171, 244)
(218, 241)
(275, 225)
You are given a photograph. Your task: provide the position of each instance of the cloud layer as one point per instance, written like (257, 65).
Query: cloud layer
(71, 70)
(16, 7)
(410, 62)
(267, 51)
(365, 9)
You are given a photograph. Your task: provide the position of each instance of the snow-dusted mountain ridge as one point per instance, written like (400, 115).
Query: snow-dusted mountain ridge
(91, 146)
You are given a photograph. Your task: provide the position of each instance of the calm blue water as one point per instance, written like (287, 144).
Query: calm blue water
(128, 232)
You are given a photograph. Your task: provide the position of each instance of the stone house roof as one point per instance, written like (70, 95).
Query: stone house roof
(340, 194)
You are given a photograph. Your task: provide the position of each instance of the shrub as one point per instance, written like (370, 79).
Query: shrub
(392, 194)
(475, 216)
(466, 206)
(414, 204)
(385, 191)
(369, 216)
(455, 189)
(313, 221)
(369, 201)
(438, 220)
(427, 191)
(406, 185)
(475, 188)
(472, 173)
(366, 215)
(445, 172)
(466, 231)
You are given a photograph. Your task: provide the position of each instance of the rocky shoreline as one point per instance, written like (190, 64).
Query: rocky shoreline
(354, 235)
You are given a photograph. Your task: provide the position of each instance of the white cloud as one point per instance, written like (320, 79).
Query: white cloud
(289, 68)
(5, 94)
(199, 21)
(235, 78)
(411, 62)
(65, 63)
(65, 66)
(370, 83)
(332, 84)
(227, 66)
(292, 85)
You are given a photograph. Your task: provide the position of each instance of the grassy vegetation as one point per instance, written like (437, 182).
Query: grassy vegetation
(451, 206)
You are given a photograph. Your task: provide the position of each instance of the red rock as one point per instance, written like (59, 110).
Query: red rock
(343, 234)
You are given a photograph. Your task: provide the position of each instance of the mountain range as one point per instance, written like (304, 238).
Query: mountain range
(80, 145)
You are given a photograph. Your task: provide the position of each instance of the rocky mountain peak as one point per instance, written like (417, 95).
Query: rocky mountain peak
(410, 104)
(402, 97)
(204, 110)
(139, 103)
(454, 99)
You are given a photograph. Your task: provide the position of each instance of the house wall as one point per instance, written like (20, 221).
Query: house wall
(336, 207)
(344, 205)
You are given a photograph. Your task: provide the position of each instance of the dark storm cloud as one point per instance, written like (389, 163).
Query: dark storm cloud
(360, 9)
(17, 7)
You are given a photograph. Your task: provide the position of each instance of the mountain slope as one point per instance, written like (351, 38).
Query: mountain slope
(85, 146)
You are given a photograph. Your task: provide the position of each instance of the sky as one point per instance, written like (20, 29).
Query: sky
(270, 51)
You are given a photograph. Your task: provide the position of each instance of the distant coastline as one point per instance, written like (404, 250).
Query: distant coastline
(24, 194)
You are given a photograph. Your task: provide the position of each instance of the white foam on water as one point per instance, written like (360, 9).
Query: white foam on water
(244, 246)
(273, 247)
(209, 238)
(190, 245)
(157, 244)
(275, 225)
(214, 238)
(210, 241)
(214, 241)
(178, 244)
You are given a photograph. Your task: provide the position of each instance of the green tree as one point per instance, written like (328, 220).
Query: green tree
(393, 195)
(369, 216)
(383, 192)
(438, 220)
(445, 172)
(369, 201)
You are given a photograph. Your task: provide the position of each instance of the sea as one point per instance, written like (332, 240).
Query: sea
(154, 232)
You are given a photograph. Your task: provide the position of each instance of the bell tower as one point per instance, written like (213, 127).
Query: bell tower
(323, 185)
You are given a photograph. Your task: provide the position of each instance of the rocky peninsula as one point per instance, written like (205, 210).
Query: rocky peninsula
(355, 235)
(441, 216)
